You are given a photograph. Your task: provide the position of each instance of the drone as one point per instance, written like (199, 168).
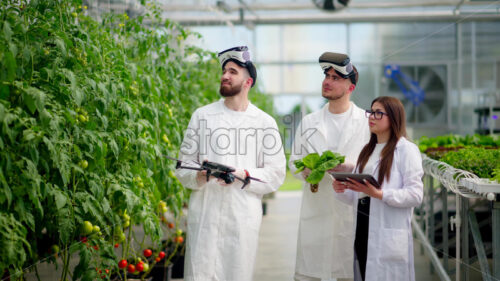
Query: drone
(216, 170)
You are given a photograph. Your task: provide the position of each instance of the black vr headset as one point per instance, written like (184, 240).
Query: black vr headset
(340, 63)
(241, 57)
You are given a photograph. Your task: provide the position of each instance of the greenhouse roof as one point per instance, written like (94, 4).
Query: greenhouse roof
(252, 12)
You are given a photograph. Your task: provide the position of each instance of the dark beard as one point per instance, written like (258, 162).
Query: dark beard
(229, 92)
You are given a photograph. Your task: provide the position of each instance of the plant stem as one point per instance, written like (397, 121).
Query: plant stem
(36, 272)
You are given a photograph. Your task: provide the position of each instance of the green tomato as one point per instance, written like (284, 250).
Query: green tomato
(179, 232)
(87, 228)
(165, 138)
(146, 267)
(164, 209)
(121, 237)
(126, 223)
(162, 204)
(96, 229)
(83, 164)
(54, 249)
(126, 217)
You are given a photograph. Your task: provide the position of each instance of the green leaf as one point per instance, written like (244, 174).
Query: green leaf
(60, 199)
(315, 176)
(66, 224)
(7, 31)
(114, 148)
(35, 99)
(62, 46)
(5, 192)
(325, 166)
(311, 160)
(10, 63)
(327, 155)
(83, 265)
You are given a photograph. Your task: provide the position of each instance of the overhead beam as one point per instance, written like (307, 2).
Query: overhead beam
(310, 5)
(341, 17)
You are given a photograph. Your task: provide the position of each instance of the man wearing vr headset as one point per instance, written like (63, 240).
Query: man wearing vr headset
(326, 236)
(223, 220)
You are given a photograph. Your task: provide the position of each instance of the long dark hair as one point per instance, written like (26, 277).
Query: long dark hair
(397, 120)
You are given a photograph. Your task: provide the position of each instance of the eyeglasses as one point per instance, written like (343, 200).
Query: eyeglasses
(376, 114)
(239, 54)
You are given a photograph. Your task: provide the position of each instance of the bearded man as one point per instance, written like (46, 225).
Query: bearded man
(223, 220)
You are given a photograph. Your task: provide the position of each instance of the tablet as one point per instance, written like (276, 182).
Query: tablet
(356, 177)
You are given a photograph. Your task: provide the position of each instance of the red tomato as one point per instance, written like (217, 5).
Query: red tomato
(139, 267)
(122, 264)
(131, 268)
(179, 239)
(147, 253)
(161, 254)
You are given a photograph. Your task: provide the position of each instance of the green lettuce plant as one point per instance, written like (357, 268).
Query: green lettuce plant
(318, 166)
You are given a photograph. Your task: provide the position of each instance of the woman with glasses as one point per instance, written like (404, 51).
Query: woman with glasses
(383, 247)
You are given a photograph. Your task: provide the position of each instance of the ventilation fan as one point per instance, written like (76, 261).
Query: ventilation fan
(331, 5)
(422, 90)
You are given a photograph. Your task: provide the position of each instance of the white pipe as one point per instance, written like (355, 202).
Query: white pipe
(458, 224)
(430, 251)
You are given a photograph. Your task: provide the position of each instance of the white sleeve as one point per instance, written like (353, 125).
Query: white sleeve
(348, 197)
(411, 193)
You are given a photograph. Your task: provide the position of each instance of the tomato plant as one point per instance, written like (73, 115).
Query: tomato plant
(88, 110)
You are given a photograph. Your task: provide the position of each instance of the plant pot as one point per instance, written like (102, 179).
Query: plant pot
(130, 278)
(139, 279)
(160, 272)
(178, 268)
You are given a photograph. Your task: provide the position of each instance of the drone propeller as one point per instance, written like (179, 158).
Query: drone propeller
(179, 164)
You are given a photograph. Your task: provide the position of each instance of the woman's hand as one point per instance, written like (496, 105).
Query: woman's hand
(339, 186)
(366, 187)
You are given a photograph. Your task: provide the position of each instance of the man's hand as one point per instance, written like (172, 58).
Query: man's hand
(238, 173)
(201, 177)
(305, 173)
(344, 167)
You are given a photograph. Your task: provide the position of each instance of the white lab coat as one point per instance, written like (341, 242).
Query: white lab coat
(324, 245)
(390, 241)
(223, 221)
